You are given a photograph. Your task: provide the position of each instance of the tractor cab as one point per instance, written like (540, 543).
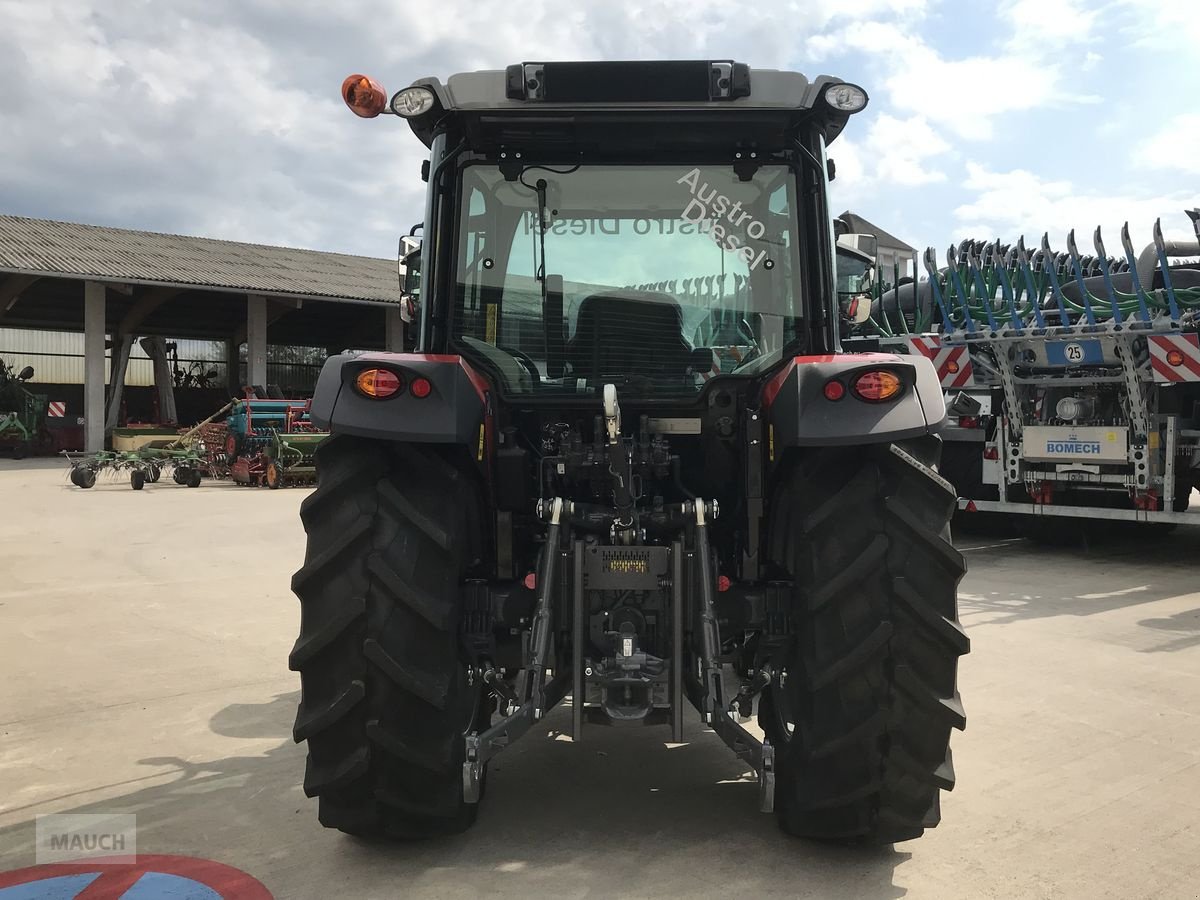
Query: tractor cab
(648, 224)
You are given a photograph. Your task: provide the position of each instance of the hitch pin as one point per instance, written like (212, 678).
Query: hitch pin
(500, 688)
(751, 688)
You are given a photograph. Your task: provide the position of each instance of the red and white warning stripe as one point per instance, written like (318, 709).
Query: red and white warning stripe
(953, 364)
(57, 409)
(1175, 357)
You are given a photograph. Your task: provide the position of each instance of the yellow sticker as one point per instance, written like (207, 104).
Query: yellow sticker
(491, 324)
(1151, 440)
(771, 442)
(479, 453)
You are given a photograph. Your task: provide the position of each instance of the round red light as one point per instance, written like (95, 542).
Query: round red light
(723, 583)
(378, 383)
(420, 388)
(531, 581)
(834, 390)
(1175, 358)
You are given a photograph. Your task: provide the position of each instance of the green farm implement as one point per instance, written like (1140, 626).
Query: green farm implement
(191, 456)
(22, 413)
(289, 458)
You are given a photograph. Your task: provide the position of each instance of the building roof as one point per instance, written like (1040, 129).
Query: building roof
(859, 225)
(65, 249)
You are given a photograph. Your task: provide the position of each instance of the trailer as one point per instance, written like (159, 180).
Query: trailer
(1073, 382)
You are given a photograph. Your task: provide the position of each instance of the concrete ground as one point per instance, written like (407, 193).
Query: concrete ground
(143, 647)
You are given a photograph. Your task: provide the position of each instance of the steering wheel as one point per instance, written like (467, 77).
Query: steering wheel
(526, 361)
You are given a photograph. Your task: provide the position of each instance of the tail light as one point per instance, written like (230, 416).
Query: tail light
(968, 422)
(364, 95)
(991, 453)
(420, 388)
(834, 390)
(877, 386)
(378, 384)
(1175, 358)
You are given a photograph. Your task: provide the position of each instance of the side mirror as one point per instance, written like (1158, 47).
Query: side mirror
(408, 265)
(26, 374)
(857, 309)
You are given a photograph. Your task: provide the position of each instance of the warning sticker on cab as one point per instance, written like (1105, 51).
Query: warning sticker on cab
(1062, 443)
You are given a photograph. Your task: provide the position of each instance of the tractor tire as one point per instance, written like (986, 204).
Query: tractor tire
(864, 694)
(179, 475)
(137, 479)
(387, 687)
(193, 478)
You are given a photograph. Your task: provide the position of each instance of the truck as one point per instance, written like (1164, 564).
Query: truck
(669, 485)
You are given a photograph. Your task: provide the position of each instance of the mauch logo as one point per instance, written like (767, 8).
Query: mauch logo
(84, 837)
(1074, 446)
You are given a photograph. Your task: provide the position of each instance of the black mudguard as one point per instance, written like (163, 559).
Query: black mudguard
(453, 413)
(800, 415)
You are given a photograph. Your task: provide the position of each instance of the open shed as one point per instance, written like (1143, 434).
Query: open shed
(113, 284)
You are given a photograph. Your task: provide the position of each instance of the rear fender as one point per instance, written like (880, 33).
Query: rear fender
(800, 415)
(455, 412)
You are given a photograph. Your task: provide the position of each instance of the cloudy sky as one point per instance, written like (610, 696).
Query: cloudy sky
(223, 118)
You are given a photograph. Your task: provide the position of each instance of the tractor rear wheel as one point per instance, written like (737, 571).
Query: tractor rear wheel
(388, 690)
(864, 697)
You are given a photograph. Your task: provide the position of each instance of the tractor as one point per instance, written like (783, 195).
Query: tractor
(627, 463)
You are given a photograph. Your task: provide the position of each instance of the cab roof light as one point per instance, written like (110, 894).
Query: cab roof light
(413, 101)
(847, 98)
(876, 386)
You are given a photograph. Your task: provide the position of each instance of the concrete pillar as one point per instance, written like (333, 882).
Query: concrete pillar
(233, 368)
(393, 330)
(93, 366)
(256, 340)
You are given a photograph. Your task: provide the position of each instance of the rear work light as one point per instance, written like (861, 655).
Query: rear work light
(364, 95)
(877, 386)
(378, 384)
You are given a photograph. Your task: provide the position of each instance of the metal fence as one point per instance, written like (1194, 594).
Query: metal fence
(57, 358)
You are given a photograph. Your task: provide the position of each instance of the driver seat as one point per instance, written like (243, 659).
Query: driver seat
(627, 332)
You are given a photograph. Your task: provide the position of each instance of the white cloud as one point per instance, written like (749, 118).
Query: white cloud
(900, 148)
(968, 95)
(1053, 23)
(1016, 202)
(1176, 147)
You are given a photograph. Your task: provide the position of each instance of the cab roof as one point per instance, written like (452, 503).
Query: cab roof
(685, 101)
